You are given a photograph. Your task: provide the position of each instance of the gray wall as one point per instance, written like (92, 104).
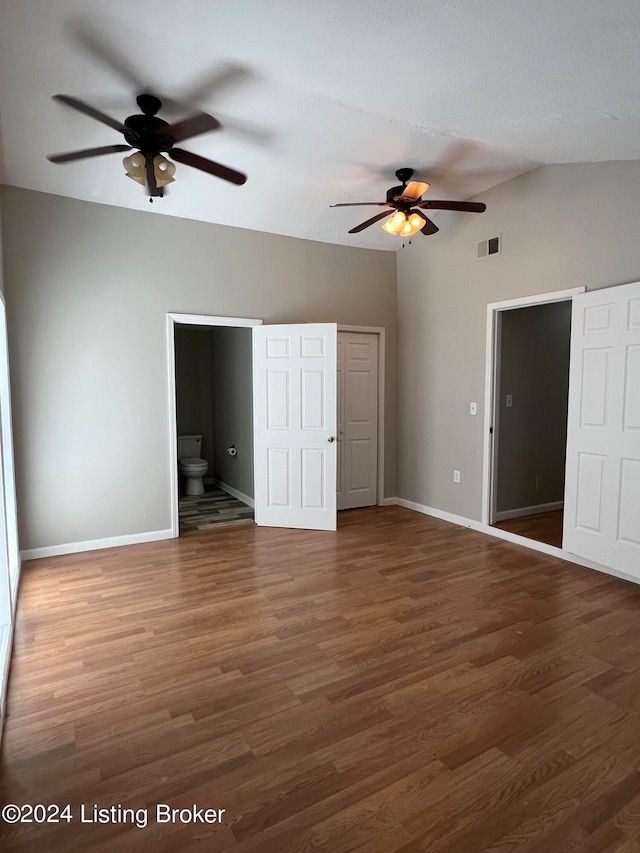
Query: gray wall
(562, 226)
(233, 407)
(88, 289)
(534, 359)
(194, 387)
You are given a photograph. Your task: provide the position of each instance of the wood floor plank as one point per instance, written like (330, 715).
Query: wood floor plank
(401, 684)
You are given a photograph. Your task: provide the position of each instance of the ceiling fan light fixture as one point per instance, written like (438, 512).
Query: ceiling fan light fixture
(404, 225)
(135, 165)
(164, 170)
(413, 224)
(395, 223)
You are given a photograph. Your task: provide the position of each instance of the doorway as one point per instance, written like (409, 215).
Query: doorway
(526, 415)
(214, 423)
(216, 352)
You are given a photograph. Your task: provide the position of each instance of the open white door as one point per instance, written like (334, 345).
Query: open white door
(294, 417)
(602, 489)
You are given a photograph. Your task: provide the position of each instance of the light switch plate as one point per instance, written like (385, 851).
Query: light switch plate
(473, 408)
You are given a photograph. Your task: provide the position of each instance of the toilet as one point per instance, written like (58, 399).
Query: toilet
(191, 466)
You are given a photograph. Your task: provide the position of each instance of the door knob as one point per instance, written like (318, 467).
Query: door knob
(331, 439)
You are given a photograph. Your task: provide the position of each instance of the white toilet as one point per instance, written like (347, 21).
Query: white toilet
(192, 467)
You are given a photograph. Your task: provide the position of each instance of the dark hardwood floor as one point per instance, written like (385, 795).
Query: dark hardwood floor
(543, 527)
(400, 685)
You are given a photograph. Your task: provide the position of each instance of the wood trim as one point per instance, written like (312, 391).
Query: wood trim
(235, 493)
(96, 544)
(206, 320)
(522, 511)
(491, 384)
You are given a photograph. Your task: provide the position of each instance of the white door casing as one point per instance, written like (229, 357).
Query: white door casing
(357, 420)
(602, 491)
(492, 382)
(294, 406)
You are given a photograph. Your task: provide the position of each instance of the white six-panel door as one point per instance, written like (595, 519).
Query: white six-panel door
(602, 490)
(357, 419)
(294, 406)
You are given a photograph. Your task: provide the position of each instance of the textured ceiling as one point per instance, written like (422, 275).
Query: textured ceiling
(320, 101)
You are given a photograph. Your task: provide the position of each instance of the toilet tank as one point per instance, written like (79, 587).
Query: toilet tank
(189, 445)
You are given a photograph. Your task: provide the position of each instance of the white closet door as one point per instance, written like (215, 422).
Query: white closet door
(357, 419)
(602, 490)
(294, 405)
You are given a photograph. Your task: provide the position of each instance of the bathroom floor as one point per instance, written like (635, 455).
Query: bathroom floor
(213, 508)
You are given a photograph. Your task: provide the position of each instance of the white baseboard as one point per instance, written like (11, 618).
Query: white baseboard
(234, 492)
(529, 510)
(438, 513)
(96, 544)
(551, 550)
(388, 502)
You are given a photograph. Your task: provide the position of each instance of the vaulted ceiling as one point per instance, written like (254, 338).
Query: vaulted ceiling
(320, 101)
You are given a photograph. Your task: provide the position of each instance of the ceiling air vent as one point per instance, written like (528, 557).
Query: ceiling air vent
(485, 248)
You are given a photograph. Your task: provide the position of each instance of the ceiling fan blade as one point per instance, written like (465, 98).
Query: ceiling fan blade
(466, 206)
(188, 127)
(429, 227)
(363, 204)
(90, 111)
(369, 222)
(413, 191)
(217, 169)
(87, 152)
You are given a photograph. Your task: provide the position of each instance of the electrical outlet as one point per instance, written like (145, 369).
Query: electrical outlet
(473, 408)
(456, 476)
(509, 401)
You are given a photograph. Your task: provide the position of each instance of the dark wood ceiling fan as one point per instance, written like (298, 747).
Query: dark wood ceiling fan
(406, 208)
(150, 137)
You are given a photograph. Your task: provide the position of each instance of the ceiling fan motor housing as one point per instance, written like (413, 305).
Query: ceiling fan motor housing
(142, 133)
(394, 192)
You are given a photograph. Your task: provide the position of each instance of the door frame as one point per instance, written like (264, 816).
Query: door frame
(380, 332)
(492, 383)
(10, 559)
(186, 320)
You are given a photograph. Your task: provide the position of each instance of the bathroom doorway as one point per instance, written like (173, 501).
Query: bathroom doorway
(211, 396)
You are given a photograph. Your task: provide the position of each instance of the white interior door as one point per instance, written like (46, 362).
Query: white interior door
(357, 419)
(602, 492)
(294, 413)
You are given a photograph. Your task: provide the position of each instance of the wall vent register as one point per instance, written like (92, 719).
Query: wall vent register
(486, 248)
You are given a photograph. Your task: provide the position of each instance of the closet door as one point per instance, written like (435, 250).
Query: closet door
(357, 419)
(602, 491)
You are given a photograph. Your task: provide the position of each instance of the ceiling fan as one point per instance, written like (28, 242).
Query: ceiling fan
(406, 201)
(151, 137)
